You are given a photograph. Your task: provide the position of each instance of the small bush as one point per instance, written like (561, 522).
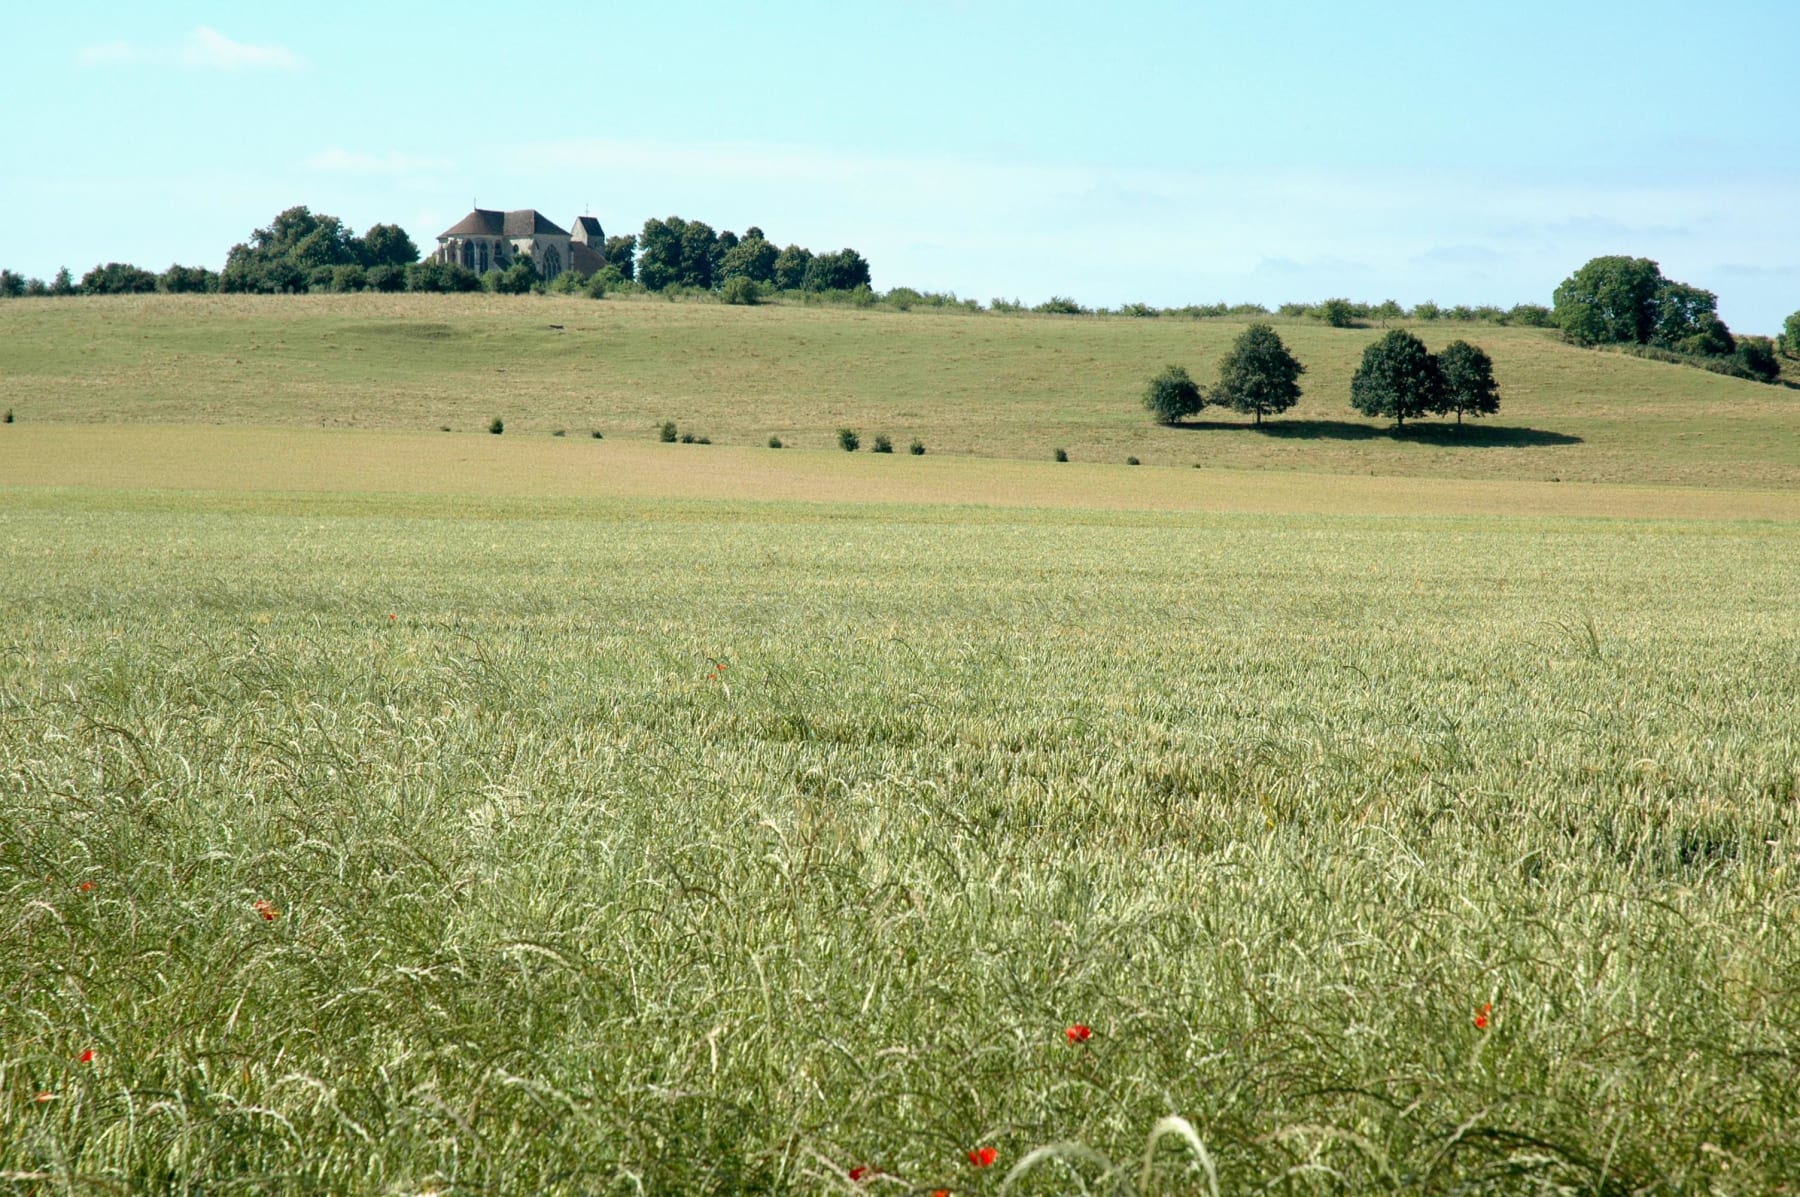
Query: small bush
(1005, 305)
(496, 425)
(882, 443)
(918, 447)
(1336, 312)
(1140, 310)
(774, 442)
(848, 441)
(1426, 311)
(687, 438)
(1132, 461)
(741, 291)
(560, 432)
(597, 435)
(8, 418)
(1172, 396)
(1062, 455)
(1060, 305)
(667, 434)
(443, 428)
(1530, 315)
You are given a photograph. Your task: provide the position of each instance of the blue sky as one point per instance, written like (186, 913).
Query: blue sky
(1137, 150)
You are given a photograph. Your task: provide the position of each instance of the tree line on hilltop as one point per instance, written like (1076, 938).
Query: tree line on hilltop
(302, 251)
(1397, 378)
(1616, 301)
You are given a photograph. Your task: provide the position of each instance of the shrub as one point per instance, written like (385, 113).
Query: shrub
(1294, 309)
(1173, 396)
(346, 278)
(1139, 310)
(12, 285)
(1336, 312)
(1790, 335)
(1132, 461)
(496, 425)
(1428, 311)
(1757, 356)
(567, 283)
(117, 278)
(521, 278)
(1530, 315)
(560, 432)
(774, 442)
(667, 433)
(687, 438)
(1062, 455)
(443, 428)
(597, 435)
(882, 443)
(741, 291)
(187, 280)
(1060, 305)
(848, 440)
(918, 447)
(386, 277)
(7, 418)
(1005, 305)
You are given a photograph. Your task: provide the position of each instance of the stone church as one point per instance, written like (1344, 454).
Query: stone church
(487, 240)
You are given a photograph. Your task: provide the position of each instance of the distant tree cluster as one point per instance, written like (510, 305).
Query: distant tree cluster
(1398, 378)
(1257, 377)
(305, 251)
(1627, 302)
(677, 253)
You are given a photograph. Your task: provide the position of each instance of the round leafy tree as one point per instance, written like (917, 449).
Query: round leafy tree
(1258, 374)
(1468, 374)
(1398, 377)
(1172, 396)
(1790, 335)
(1610, 300)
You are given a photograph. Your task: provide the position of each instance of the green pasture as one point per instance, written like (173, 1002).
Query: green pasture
(658, 845)
(989, 385)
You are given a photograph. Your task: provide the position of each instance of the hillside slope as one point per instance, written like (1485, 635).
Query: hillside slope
(981, 384)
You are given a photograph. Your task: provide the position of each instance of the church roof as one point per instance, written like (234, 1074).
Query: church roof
(486, 222)
(590, 227)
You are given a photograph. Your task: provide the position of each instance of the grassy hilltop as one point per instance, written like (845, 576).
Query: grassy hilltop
(388, 811)
(988, 385)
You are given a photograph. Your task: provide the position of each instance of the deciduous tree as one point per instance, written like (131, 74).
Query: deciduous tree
(1398, 377)
(1608, 301)
(1258, 375)
(1468, 377)
(1172, 396)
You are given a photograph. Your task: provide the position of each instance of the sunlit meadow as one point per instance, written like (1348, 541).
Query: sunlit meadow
(567, 846)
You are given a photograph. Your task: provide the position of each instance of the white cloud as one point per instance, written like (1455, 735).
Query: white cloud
(351, 162)
(204, 48)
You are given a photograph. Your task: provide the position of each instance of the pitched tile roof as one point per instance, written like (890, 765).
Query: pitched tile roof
(486, 222)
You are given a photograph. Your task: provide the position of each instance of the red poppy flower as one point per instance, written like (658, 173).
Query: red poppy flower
(983, 1157)
(392, 617)
(266, 908)
(940, 1193)
(86, 886)
(1481, 1016)
(87, 1057)
(858, 1172)
(1079, 1033)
